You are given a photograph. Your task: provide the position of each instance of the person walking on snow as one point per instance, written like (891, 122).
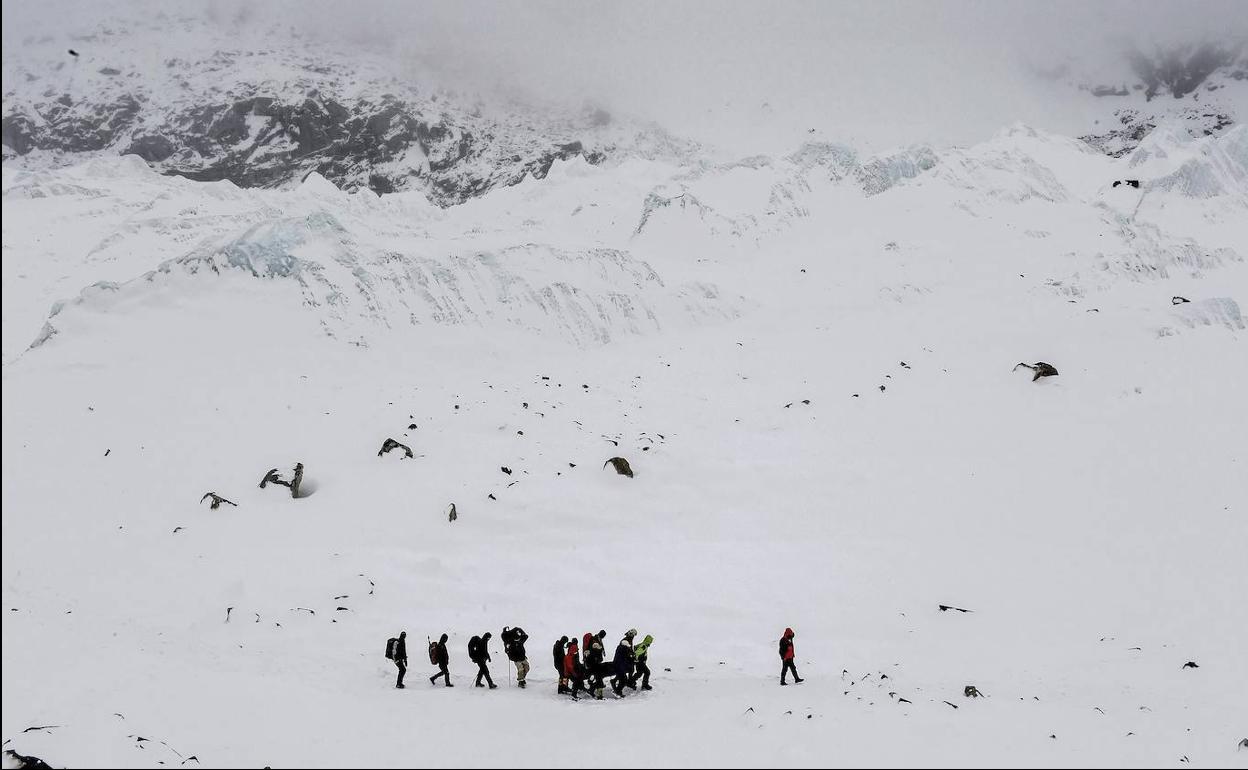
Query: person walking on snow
(573, 671)
(786, 655)
(622, 663)
(400, 659)
(640, 654)
(441, 658)
(587, 644)
(595, 665)
(558, 650)
(513, 645)
(479, 653)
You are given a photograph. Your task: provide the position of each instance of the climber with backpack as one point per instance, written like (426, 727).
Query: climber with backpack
(595, 667)
(587, 643)
(479, 653)
(573, 671)
(558, 651)
(622, 663)
(513, 646)
(641, 652)
(786, 655)
(396, 650)
(439, 657)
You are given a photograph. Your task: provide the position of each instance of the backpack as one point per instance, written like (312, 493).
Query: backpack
(392, 646)
(474, 649)
(433, 653)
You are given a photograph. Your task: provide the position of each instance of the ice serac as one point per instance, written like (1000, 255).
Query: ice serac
(357, 287)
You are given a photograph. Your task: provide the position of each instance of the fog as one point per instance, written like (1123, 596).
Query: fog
(740, 73)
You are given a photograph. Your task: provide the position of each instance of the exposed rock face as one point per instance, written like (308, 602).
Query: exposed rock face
(1179, 72)
(265, 118)
(264, 141)
(1183, 83)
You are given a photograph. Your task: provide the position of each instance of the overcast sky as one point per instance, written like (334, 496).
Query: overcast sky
(731, 67)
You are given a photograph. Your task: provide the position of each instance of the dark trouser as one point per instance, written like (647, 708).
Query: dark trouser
(402, 664)
(787, 667)
(482, 671)
(577, 685)
(442, 672)
(621, 679)
(643, 671)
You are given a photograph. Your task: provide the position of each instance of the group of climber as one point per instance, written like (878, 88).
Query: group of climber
(576, 673)
(582, 666)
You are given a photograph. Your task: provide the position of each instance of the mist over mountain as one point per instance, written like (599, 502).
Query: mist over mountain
(914, 329)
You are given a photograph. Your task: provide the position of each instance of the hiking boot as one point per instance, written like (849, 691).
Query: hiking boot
(478, 684)
(646, 687)
(798, 681)
(493, 687)
(521, 685)
(448, 684)
(783, 683)
(400, 687)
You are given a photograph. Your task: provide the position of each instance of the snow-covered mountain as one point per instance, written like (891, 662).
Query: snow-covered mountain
(1202, 85)
(264, 108)
(808, 358)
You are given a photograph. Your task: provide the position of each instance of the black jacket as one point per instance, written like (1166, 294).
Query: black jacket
(785, 644)
(478, 650)
(623, 662)
(558, 651)
(444, 657)
(513, 643)
(593, 658)
(400, 650)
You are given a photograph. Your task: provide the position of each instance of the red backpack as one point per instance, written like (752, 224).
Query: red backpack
(433, 653)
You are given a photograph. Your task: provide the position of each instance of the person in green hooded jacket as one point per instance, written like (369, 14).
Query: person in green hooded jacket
(641, 651)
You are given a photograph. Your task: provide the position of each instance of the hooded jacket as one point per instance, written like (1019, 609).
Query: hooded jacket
(558, 651)
(642, 650)
(444, 657)
(623, 661)
(786, 645)
(571, 664)
(513, 644)
(479, 648)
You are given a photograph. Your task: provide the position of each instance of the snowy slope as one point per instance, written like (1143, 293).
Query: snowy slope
(680, 316)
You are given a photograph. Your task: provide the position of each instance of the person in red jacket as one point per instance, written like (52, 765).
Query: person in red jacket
(786, 655)
(572, 669)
